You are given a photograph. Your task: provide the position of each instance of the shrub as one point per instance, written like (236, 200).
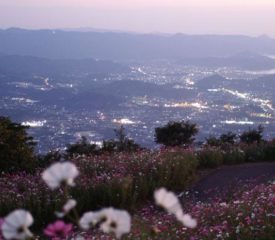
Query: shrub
(210, 158)
(177, 170)
(228, 138)
(234, 156)
(252, 135)
(254, 152)
(16, 147)
(144, 172)
(49, 158)
(123, 180)
(213, 141)
(128, 145)
(264, 151)
(83, 147)
(176, 133)
(269, 151)
(121, 144)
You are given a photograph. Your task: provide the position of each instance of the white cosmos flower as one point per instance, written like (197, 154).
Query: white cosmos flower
(16, 225)
(167, 200)
(69, 205)
(170, 202)
(223, 204)
(110, 220)
(60, 172)
(90, 219)
(78, 237)
(186, 219)
(118, 221)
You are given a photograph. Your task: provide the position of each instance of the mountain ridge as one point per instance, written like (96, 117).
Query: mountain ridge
(126, 46)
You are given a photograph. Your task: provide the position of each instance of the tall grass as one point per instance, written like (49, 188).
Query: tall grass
(122, 180)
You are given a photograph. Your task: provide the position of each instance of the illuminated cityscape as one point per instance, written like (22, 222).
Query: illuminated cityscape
(217, 99)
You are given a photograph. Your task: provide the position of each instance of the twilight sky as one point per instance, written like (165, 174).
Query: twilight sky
(249, 17)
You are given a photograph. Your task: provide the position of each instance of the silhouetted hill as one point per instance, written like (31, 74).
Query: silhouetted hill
(125, 46)
(249, 61)
(28, 65)
(214, 81)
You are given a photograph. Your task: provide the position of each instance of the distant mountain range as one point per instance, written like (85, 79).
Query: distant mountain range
(27, 65)
(245, 60)
(57, 44)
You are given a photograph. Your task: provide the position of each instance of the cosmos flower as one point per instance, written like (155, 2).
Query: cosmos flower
(223, 204)
(109, 220)
(16, 225)
(69, 205)
(118, 222)
(167, 200)
(59, 173)
(90, 219)
(186, 219)
(58, 230)
(170, 202)
(78, 237)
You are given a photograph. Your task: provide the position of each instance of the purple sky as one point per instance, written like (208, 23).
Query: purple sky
(249, 17)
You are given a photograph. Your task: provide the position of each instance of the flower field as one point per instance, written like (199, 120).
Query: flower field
(250, 214)
(123, 195)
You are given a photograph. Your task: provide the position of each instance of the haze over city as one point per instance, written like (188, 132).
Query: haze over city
(245, 17)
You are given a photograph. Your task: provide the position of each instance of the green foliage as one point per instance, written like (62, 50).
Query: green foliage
(252, 135)
(253, 153)
(83, 147)
(176, 133)
(172, 169)
(228, 138)
(16, 147)
(264, 151)
(49, 158)
(225, 140)
(109, 146)
(234, 156)
(210, 158)
(213, 141)
(121, 144)
(177, 170)
(269, 151)
(43, 204)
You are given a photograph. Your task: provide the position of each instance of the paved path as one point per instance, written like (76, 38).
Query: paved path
(223, 177)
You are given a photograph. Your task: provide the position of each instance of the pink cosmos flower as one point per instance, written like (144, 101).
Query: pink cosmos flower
(58, 230)
(248, 220)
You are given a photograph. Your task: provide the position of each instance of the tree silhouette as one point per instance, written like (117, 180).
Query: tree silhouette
(228, 138)
(121, 144)
(176, 133)
(16, 147)
(252, 135)
(82, 147)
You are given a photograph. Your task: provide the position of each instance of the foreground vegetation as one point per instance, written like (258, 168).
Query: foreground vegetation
(244, 212)
(125, 176)
(123, 180)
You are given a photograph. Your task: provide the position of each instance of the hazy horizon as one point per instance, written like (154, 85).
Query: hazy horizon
(251, 18)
